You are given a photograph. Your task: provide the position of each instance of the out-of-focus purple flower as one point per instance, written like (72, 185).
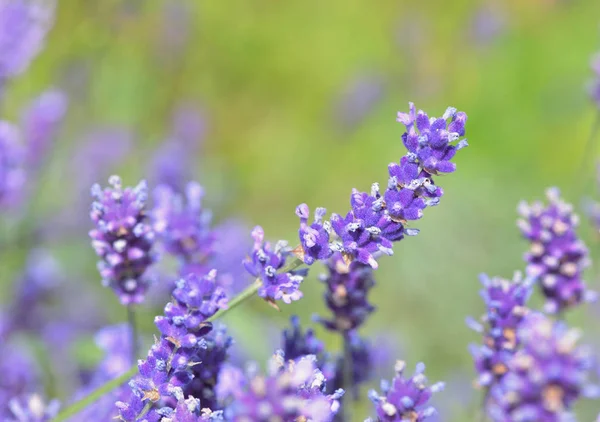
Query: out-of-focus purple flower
(291, 390)
(41, 123)
(264, 264)
(34, 288)
(505, 309)
(183, 227)
(115, 342)
(189, 125)
(12, 161)
(169, 365)
(594, 87)
(546, 376)
(169, 165)
(405, 399)
(314, 238)
(346, 295)
(487, 23)
(357, 100)
(32, 408)
(23, 28)
(230, 246)
(20, 375)
(297, 343)
(123, 238)
(557, 256)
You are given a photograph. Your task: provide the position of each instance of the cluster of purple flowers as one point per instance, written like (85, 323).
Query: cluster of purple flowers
(557, 256)
(546, 376)
(169, 368)
(505, 302)
(375, 221)
(123, 238)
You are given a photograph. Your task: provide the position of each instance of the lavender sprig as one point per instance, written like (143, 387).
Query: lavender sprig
(375, 221)
(123, 238)
(557, 256)
(546, 376)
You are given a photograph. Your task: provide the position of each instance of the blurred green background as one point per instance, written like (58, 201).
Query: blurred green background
(299, 102)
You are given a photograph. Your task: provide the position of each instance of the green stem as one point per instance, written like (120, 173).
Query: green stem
(95, 395)
(589, 152)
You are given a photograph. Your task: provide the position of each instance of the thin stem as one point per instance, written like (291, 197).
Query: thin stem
(588, 153)
(94, 396)
(78, 406)
(133, 332)
(348, 368)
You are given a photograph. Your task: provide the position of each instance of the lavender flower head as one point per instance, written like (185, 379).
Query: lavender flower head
(170, 362)
(505, 309)
(546, 376)
(291, 390)
(557, 256)
(264, 264)
(123, 238)
(314, 238)
(41, 122)
(405, 399)
(346, 295)
(12, 157)
(23, 28)
(183, 227)
(376, 221)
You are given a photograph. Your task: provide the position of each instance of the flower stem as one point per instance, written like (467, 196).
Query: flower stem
(78, 406)
(133, 333)
(589, 152)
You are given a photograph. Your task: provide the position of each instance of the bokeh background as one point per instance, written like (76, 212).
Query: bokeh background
(290, 102)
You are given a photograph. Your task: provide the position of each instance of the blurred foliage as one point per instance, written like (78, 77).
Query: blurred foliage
(271, 77)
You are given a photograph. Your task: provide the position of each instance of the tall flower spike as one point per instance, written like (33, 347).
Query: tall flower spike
(12, 160)
(405, 399)
(123, 238)
(557, 256)
(376, 221)
(505, 309)
(290, 391)
(314, 238)
(346, 295)
(546, 376)
(169, 366)
(183, 227)
(264, 264)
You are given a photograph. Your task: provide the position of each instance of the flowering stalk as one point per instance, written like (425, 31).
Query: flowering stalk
(78, 406)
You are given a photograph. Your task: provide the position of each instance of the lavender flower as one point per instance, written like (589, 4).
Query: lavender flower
(32, 408)
(291, 390)
(122, 238)
(12, 156)
(557, 256)
(346, 295)
(405, 399)
(206, 375)
(297, 343)
(264, 264)
(505, 309)
(363, 362)
(357, 100)
(546, 376)
(314, 238)
(376, 221)
(41, 122)
(23, 27)
(183, 227)
(169, 365)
